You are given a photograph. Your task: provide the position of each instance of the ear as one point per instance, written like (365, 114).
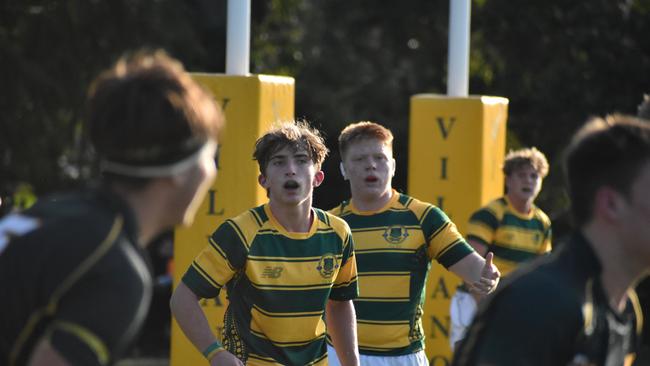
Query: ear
(342, 168)
(393, 167)
(318, 178)
(608, 204)
(261, 179)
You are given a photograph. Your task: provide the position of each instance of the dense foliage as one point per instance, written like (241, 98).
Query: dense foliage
(557, 61)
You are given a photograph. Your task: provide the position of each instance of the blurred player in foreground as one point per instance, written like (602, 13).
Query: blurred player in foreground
(75, 285)
(511, 227)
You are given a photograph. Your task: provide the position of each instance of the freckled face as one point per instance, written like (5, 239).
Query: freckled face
(369, 166)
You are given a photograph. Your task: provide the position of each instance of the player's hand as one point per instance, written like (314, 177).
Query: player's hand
(489, 278)
(225, 358)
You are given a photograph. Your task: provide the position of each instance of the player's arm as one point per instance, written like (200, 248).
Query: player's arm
(449, 248)
(342, 328)
(479, 273)
(481, 231)
(478, 292)
(185, 307)
(339, 310)
(212, 268)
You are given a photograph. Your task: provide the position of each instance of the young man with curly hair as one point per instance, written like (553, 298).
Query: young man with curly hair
(289, 268)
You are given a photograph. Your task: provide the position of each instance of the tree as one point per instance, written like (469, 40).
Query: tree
(558, 62)
(50, 52)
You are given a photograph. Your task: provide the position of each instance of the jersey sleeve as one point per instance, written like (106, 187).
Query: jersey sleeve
(345, 286)
(223, 257)
(445, 244)
(514, 329)
(482, 226)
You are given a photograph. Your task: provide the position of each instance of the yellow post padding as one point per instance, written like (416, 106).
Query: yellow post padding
(456, 148)
(251, 105)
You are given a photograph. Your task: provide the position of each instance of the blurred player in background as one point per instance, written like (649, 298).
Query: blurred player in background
(511, 227)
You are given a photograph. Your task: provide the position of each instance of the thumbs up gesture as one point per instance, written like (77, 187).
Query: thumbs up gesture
(489, 278)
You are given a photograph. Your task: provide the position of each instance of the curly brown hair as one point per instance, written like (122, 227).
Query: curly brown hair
(516, 159)
(297, 135)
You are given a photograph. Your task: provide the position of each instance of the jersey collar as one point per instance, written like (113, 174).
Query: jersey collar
(290, 234)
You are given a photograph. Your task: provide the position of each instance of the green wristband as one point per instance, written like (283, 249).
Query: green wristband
(212, 350)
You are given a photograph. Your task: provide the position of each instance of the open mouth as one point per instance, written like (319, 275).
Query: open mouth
(291, 184)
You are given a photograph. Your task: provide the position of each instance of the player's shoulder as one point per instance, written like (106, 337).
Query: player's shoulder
(340, 210)
(79, 216)
(97, 230)
(497, 206)
(546, 280)
(255, 217)
(524, 300)
(497, 203)
(418, 207)
(329, 219)
(491, 213)
(542, 216)
(245, 225)
(68, 205)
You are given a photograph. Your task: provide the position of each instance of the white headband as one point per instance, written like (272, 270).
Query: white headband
(208, 149)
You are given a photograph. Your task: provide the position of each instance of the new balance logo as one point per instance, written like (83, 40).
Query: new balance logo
(272, 272)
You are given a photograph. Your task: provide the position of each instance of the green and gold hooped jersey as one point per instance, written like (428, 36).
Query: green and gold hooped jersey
(394, 247)
(278, 284)
(513, 237)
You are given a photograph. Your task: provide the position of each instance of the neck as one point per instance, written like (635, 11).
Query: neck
(619, 269)
(522, 206)
(371, 203)
(296, 219)
(148, 210)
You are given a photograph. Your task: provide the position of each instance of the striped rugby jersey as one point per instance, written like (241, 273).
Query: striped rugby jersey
(394, 247)
(278, 284)
(513, 237)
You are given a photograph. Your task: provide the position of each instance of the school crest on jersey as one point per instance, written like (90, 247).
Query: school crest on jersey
(272, 272)
(327, 265)
(395, 234)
